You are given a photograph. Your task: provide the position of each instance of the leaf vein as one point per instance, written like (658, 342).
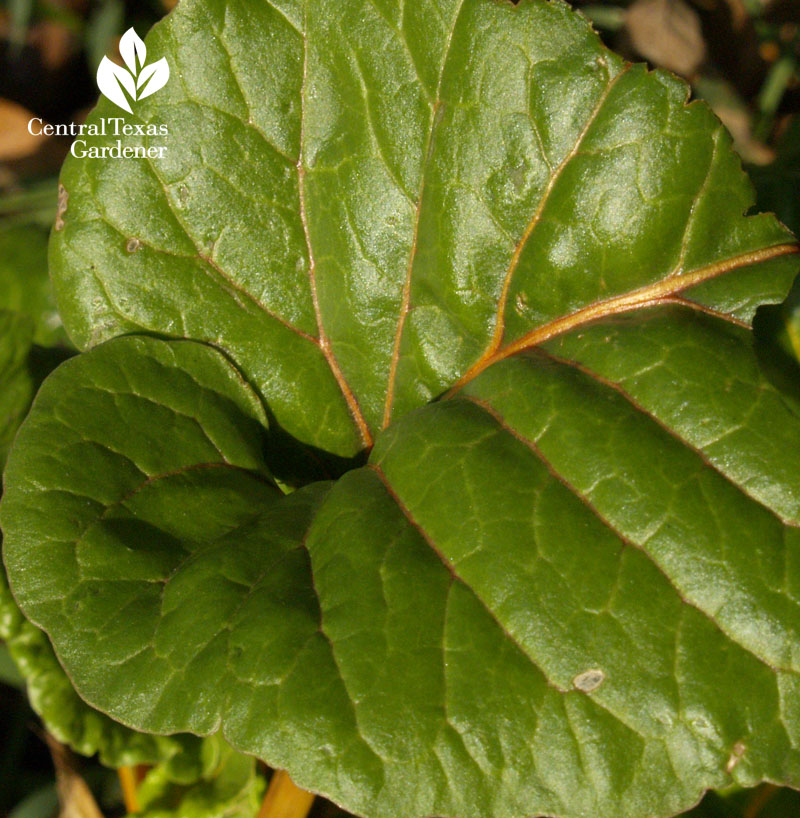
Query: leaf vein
(406, 294)
(697, 450)
(324, 341)
(533, 447)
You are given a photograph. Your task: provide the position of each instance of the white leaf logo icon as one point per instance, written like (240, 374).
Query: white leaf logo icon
(152, 78)
(132, 46)
(137, 81)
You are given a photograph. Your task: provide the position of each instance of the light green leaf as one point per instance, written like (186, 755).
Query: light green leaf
(9, 674)
(233, 789)
(566, 581)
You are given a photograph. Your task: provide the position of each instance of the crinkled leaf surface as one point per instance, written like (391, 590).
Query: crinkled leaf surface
(24, 286)
(233, 789)
(65, 715)
(394, 191)
(73, 722)
(569, 586)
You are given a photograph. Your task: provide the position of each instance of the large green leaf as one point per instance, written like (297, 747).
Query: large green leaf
(547, 622)
(393, 191)
(68, 718)
(65, 715)
(568, 586)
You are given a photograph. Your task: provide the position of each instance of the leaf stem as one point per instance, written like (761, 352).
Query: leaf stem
(760, 798)
(284, 799)
(127, 780)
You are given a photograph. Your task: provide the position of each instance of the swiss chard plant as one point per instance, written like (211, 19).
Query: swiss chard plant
(419, 442)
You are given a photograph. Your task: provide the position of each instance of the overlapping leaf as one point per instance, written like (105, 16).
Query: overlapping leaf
(568, 586)
(73, 722)
(25, 288)
(65, 715)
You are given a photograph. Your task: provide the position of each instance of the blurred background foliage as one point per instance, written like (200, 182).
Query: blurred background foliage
(741, 56)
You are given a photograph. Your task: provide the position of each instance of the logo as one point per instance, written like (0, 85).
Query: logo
(135, 82)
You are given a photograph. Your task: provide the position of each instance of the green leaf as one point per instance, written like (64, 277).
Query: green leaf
(182, 759)
(28, 322)
(16, 382)
(9, 674)
(24, 283)
(41, 803)
(358, 218)
(566, 581)
(34, 665)
(23, 366)
(67, 717)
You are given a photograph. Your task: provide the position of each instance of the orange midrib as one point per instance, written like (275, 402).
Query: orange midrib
(650, 295)
(324, 341)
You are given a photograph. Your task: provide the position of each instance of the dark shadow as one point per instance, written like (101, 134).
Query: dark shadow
(299, 464)
(288, 459)
(773, 346)
(43, 360)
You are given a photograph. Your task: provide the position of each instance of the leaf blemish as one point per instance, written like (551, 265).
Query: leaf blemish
(63, 199)
(736, 756)
(589, 680)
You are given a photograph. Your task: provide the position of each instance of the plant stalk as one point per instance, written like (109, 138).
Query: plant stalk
(128, 781)
(284, 799)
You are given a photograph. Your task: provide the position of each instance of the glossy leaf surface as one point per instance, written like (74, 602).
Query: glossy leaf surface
(395, 194)
(566, 581)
